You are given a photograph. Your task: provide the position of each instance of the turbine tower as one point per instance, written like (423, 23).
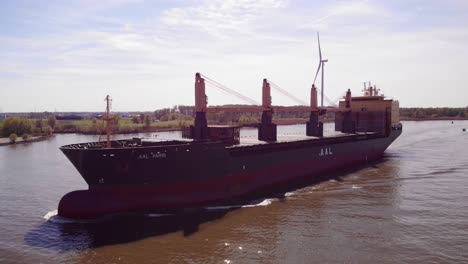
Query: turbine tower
(321, 65)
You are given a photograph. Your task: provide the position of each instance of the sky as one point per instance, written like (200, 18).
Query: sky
(68, 55)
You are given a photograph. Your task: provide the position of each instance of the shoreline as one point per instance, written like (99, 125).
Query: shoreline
(121, 133)
(21, 141)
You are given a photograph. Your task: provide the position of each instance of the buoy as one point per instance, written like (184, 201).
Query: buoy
(464, 129)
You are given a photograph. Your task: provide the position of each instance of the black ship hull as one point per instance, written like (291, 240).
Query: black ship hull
(167, 176)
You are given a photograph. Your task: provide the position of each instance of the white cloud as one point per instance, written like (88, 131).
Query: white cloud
(149, 62)
(221, 19)
(345, 11)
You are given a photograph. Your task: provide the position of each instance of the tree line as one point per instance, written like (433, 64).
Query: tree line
(183, 112)
(15, 127)
(427, 113)
(226, 117)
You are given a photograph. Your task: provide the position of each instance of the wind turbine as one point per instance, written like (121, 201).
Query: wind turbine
(321, 65)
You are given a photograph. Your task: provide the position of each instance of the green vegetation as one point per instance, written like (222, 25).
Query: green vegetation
(119, 125)
(147, 121)
(48, 131)
(38, 126)
(16, 125)
(128, 126)
(13, 137)
(51, 121)
(182, 112)
(433, 113)
(24, 127)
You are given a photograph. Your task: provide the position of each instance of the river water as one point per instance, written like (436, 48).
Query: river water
(409, 207)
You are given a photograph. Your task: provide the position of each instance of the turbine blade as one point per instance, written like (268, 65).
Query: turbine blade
(318, 69)
(320, 50)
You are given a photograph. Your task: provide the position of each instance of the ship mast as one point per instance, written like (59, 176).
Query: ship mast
(108, 120)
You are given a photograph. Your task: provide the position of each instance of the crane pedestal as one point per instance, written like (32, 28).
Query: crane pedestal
(266, 129)
(349, 125)
(314, 128)
(200, 129)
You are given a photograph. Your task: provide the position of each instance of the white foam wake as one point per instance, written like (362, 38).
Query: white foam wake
(50, 214)
(265, 202)
(53, 217)
(262, 203)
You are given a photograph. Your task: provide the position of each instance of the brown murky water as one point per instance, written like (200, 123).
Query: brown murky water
(410, 207)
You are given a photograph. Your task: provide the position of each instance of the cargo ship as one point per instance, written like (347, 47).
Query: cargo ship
(212, 165)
